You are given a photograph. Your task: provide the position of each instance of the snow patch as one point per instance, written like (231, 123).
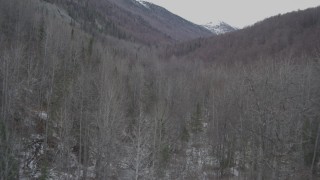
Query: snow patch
(234, 172)
(204, 125)
(143, 3)
(43, 115)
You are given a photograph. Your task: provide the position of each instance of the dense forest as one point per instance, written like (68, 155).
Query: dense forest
(84, 100)
(293, 35)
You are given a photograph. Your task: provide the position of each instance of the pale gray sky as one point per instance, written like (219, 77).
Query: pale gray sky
(238, 13)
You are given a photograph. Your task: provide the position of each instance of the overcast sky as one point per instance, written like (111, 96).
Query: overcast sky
(238, 13)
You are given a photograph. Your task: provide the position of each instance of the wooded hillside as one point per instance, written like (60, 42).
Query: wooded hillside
(85, 104)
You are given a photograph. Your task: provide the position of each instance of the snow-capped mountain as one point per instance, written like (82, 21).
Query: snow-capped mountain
(219, 27)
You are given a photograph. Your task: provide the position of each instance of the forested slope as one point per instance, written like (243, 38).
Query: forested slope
(293, 34)
(130, 20)
(77, 103)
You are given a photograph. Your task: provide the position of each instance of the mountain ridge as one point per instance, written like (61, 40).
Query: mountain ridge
(132, 20)
(165, 21)
(89, 90)
(295, 34)
(219, 27)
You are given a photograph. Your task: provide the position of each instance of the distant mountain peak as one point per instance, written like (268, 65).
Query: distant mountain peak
(219, 27)
(215, 22)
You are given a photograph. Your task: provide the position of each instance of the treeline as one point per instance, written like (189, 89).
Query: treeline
(75, 107)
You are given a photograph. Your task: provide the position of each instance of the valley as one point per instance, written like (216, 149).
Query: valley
(125, 89)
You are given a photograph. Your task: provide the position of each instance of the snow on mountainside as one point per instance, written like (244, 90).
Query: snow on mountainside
(219, 27)
(143, 3)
